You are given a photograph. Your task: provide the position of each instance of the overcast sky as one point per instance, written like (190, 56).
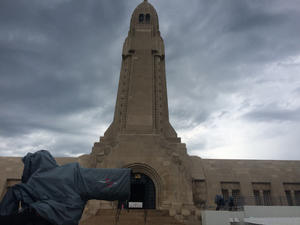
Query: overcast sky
(233, 74)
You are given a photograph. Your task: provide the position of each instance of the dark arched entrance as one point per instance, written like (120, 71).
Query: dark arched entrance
(142, 192)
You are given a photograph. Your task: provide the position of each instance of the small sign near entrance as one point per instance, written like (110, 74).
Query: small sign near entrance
(135, 205)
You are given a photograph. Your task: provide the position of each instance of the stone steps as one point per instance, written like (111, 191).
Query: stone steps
(132, 217)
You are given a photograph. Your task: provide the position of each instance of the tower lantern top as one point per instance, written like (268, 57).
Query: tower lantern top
(144, 15)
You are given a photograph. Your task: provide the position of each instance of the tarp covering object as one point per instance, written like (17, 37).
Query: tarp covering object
(59, 193)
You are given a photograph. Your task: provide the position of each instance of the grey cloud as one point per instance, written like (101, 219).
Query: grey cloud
(62, 58)
(270, 114)
(220, 45)
(70, 147)
(200, 145)
(56, 74)
(297, 90)
(63, 73)
(235, 32)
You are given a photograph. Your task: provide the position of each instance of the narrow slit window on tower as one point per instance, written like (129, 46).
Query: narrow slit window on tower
(141, 18)
(148, 18)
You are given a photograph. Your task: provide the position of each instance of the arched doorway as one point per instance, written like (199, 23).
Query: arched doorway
(143, 193)
(148, 171)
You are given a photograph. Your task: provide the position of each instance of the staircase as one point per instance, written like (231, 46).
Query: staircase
(132, 217)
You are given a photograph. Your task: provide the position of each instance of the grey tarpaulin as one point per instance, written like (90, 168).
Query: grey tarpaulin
(59, 193)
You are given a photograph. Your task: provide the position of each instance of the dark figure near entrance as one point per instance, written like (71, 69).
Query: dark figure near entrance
(52, 194)
(219, 200)
(231, 205)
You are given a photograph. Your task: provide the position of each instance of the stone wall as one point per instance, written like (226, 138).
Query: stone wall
(248, 175)
(182, 180)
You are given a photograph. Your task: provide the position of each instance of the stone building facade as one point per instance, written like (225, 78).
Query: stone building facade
(141, 137)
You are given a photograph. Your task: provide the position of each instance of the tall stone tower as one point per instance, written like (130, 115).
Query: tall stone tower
(142, 104)
(141, 136)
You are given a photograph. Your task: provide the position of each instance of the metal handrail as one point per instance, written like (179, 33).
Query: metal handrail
(241, 201)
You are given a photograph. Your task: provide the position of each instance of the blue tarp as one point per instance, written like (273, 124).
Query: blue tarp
(59, 193)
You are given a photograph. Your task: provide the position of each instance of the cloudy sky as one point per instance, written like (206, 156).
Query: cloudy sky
(233, 73)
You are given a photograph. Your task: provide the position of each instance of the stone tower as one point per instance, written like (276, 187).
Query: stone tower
(142, 104)
(141, 136)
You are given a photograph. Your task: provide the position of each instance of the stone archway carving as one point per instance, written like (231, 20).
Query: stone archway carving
(151, 173)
